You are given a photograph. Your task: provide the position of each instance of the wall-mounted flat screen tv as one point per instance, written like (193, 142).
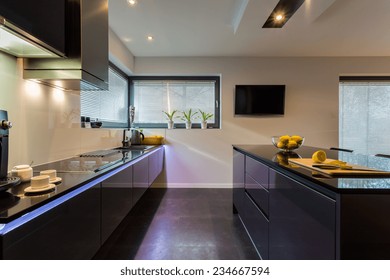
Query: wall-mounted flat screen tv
(259, 100)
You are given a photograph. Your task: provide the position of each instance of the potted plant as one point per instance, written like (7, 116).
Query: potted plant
(187, 117)
(205, 116)
(170, 117)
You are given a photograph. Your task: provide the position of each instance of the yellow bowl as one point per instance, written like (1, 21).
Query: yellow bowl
(152, 140)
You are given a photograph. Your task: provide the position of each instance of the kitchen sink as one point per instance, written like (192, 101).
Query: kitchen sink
(135, 148)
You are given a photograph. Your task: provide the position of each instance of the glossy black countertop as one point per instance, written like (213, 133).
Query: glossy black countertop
(15, 202)
(271, 156)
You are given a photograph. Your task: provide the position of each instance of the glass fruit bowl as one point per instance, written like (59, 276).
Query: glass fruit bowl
(287, 143)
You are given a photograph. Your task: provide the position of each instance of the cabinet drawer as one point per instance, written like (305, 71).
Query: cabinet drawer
(258, 171)
(258, 193)
(257, 225)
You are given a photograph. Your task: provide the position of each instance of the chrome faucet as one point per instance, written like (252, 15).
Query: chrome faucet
(126, 139)
(131, 115)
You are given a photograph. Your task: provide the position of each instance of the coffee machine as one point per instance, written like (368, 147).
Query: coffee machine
(5, 181)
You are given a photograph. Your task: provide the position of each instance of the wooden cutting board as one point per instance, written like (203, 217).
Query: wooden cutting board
(308, 162)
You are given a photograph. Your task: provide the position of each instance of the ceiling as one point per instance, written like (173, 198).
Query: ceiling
(233, 28)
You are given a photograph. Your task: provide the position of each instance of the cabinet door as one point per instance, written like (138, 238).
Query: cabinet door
(257, 226)
(116, 200)
(68, 231)
(302, 221)
(238, 181)
(259, 195)
(156, 161)
(140, 178)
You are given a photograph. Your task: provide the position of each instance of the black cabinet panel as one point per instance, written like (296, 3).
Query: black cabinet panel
(68, 231)
(44, 19)
(140, 178)
(116, 200)
(258, 171)
(365, 228)
(238, 181)
(257, 225)
(302, 221)
(257, 193)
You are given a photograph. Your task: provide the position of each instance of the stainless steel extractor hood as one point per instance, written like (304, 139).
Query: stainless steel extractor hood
(86, 42)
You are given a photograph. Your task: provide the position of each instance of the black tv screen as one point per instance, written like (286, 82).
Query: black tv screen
(259, 100)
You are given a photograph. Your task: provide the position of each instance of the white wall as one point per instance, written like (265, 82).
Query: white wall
(199, 158)
(46, 121)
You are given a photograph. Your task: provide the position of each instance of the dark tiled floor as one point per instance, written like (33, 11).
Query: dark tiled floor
(169, 224)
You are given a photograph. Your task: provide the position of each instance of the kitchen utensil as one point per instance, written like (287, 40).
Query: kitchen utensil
(52, 173)
(5, 181)
(39, 183)
(136, 137)
(354, 172)
(346, 167)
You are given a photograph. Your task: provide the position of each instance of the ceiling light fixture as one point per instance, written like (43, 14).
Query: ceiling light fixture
(283, 11)
(150, 38)
(279, 17)
(131, 2)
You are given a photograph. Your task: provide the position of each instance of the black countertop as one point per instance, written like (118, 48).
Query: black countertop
(15, 202)
(271, 156)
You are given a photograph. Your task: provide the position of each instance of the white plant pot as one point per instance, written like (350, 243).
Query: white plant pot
(203, 124)
(188, 125)
(170, 124)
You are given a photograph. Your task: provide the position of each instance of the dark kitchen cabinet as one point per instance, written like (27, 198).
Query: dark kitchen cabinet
(285, 219)
(140, 178)
(41, 21)
(302, 221)
(70, 230)
(117, 192)
(238, 181)
(255, 213)
(257, 226)
(156, 162)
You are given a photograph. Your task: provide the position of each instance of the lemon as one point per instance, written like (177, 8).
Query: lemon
(292, 144)
(297, 139)
(319, 156)
(280, 145)
(284, 139)
(338, 162)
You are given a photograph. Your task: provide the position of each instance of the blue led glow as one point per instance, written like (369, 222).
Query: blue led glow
(5, 228)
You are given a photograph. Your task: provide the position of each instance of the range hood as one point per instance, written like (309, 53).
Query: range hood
(86, 43)
(32, 28)
(17, 42)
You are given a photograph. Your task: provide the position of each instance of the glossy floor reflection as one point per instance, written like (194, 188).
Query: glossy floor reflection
(170, 224)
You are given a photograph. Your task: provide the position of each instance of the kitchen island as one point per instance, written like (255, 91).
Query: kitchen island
(291, 212)
(75, 218)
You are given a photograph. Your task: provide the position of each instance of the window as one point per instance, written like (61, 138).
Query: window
(110, 107)
(151, 96)
(364, 115)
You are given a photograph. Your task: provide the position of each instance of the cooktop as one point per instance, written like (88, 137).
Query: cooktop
(86, 163)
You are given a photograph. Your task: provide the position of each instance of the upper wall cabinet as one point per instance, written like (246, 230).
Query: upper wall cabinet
(86, 47)
(33, 28)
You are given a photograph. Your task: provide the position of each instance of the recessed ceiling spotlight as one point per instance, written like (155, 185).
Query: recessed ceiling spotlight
(150, 38)
(279, 17)
(283, 11)
(132, 2)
